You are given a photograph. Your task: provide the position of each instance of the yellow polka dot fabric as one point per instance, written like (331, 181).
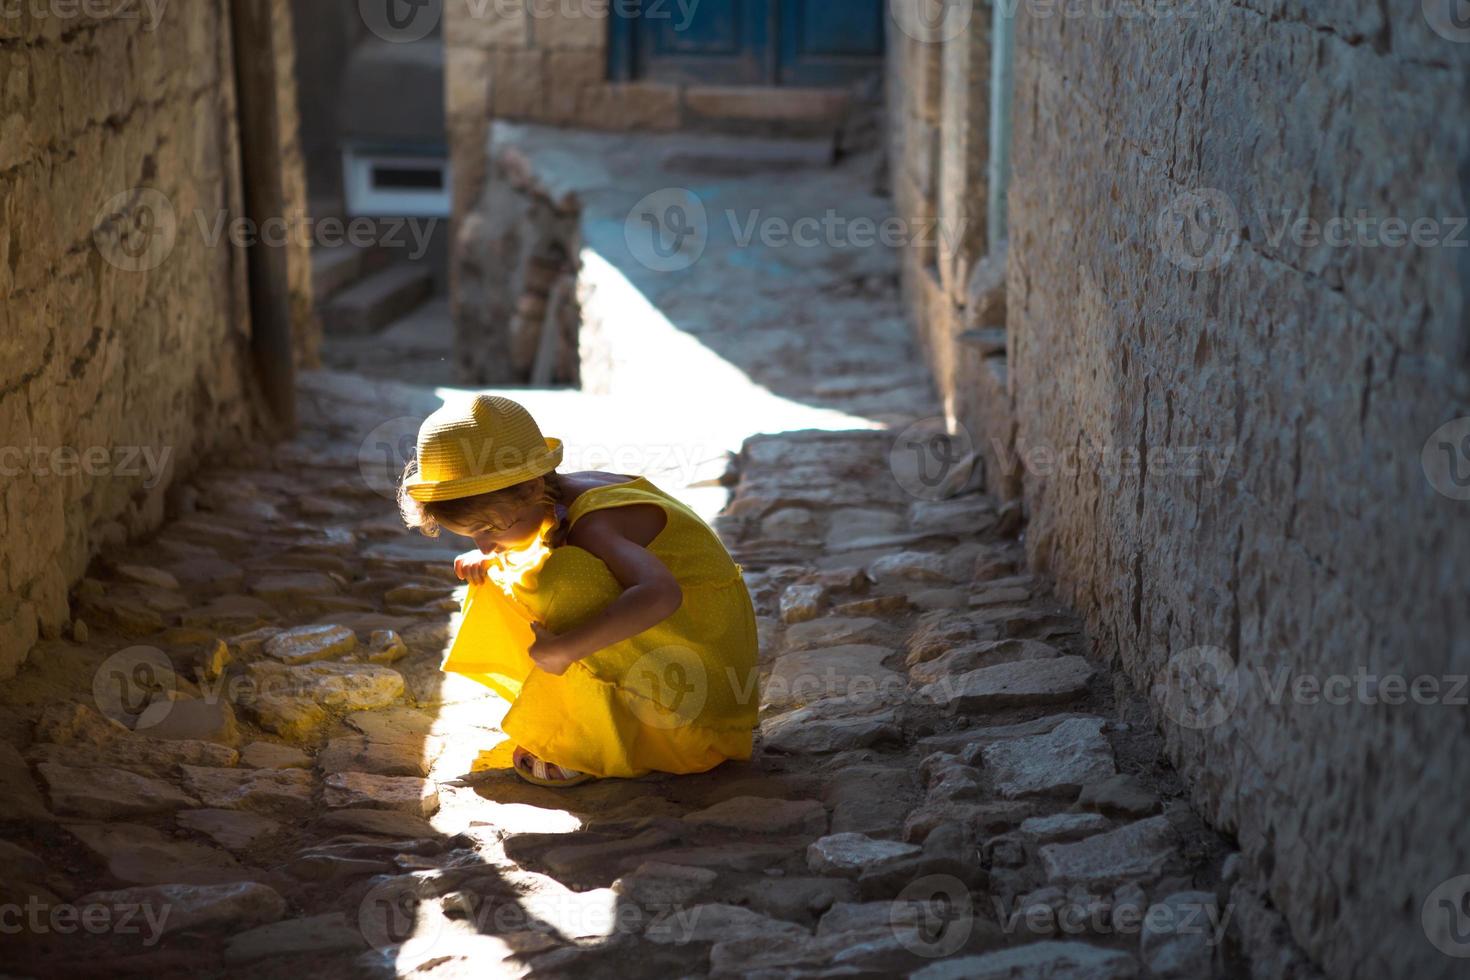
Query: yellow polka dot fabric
(680, 697)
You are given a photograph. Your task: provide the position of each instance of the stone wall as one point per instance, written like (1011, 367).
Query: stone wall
(306, 328)
(938, 94)
(518, 263)
(124, 325)
(1219, 425)
(534, 61)
(539, 62)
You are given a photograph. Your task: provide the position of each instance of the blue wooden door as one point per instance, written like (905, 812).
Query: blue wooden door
(831, 43)
(747, 42)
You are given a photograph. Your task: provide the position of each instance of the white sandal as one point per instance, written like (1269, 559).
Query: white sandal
(542, 773)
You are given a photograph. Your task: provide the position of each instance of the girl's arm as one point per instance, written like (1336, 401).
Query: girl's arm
(651, 594)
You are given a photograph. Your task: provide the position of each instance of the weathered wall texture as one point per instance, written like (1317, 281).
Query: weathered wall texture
(124, 334)
(518, 266)
(1317, 372)
(306, 328)
(938, 94)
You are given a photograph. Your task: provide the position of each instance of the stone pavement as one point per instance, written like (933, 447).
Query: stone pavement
(243, 760)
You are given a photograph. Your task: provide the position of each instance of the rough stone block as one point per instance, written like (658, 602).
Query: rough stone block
(1077, 961)
(475, 25)
(176, 907)
(1058, 763)
(103, 792)
(761, 815)
(630, 105)
(1138, 850)
(1024, 682)
(815, 107)
(516, 89)
(853, 854)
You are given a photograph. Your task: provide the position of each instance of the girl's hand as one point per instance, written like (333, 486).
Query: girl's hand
(472, 567)
(550, 652)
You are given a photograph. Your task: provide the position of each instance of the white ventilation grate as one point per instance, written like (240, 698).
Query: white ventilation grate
(396, 184)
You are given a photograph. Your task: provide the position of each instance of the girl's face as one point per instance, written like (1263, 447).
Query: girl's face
(510, 527)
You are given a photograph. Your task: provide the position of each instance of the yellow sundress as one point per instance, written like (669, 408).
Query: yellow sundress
(680, 697)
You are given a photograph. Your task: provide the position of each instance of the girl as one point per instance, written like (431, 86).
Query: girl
(606, 612)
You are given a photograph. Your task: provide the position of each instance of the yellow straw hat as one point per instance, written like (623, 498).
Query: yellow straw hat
(475, 447)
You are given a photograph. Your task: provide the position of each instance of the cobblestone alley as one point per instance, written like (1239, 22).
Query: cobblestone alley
(1078, 392)
(948, 779)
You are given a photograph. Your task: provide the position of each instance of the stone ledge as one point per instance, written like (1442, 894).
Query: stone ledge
(751, 103)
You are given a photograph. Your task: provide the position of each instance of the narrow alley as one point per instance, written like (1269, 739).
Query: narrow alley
(249, 713)
(1092, 449)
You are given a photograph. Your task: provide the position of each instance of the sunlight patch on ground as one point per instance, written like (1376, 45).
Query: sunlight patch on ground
(523, 818)
(455, 950)
(585, 915)
(669, 371)
(675, 408)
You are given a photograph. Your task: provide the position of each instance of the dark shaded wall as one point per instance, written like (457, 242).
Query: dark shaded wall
(124, 317)
(326, 31)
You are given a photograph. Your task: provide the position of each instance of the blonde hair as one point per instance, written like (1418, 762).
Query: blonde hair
(429, 516)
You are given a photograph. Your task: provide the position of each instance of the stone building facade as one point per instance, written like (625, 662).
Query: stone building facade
(530, 61)
(541, 62)
(124, 322)
(939, 110)
(1213, 400)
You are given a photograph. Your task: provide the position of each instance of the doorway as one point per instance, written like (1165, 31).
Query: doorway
(747, 42)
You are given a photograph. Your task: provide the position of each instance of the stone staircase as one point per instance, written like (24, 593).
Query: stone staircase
(367, 282)
(359, 290)
(383, 314)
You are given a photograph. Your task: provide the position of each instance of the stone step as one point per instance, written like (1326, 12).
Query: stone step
(417, 348)
(744, 157)
(334, 268)
(375, 301)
